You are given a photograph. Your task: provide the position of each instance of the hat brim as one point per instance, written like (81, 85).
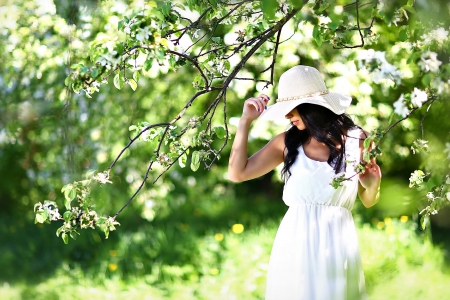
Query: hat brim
(335, 102)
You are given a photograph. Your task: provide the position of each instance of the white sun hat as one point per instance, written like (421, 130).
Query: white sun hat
(304, 84)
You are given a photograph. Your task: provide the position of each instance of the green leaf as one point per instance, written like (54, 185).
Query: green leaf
(424, 221)
(69, 194)
(148, 63)
(366, 156)
(226, 64)
(317, 36)
(391, 117)
(101, 220)
(132, 84)
(195, 161)
(269, 7)
(136, 76)
(73, 235)
(409, 8)
(367, 142)
(413, 57)
(120, 25)
(220, 132)
(41, 216)
(316, 31)
(58, 232)
(67, 215)
(182, 160)
(426, 79)
(68, 80)
(66, 187)
(133, 127)
(119, 81)
(333, 25)
(65, 238)
(403, 35)
(89, 174)
(434, 181)
(106, 231)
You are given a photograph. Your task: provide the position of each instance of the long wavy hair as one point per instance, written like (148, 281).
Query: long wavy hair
(323, 125)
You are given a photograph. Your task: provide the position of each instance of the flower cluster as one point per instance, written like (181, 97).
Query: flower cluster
(102, 177)
(400, 107)
(418, 97)
(380, 69)
(416, 178)
(439, 35)
(429, 62)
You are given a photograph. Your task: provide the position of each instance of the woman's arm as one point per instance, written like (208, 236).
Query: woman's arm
(240, 167)
(369, 182)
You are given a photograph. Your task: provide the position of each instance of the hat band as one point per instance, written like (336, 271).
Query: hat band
(301, 97)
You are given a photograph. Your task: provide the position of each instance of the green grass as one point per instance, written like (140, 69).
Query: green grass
(398, 264)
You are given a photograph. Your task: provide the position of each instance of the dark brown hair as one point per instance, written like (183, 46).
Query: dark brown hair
(324, 126)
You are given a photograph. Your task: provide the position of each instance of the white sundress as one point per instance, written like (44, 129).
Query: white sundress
(315, 255)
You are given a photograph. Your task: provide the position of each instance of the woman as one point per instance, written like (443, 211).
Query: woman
(315, 253)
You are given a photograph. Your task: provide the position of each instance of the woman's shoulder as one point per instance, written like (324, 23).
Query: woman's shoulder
(279, 140)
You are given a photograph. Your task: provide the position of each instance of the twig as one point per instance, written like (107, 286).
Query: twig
(242, 78)
(226, 130)
(170, 165)
(194, 62)
(134, 139)
(358, 27)
(146, 174)
(423, 118)
(193, 25)
(274, 57)
(359, 30)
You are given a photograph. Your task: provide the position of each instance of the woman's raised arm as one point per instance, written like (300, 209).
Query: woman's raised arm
(240, 167)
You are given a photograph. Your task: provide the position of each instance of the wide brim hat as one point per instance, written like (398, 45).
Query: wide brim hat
(304, 84)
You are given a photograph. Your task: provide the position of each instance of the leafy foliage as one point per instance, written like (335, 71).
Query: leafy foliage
(189, 63)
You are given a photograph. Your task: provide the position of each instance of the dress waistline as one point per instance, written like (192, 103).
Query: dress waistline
(317, 204)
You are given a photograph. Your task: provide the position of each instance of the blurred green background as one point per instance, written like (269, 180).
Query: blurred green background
(191, 235)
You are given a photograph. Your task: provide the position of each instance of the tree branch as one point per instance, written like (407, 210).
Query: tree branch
(274, 57)
(134, 139)
(222, 93)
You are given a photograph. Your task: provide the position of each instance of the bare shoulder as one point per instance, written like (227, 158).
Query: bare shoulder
(279, 140)
(278, 143)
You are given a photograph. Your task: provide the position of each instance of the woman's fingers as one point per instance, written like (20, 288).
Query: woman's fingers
(259, 103)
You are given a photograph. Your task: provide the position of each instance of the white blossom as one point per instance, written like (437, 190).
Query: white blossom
(429, 62)
(418, 97)
(143, 34)
(437, 84)
(324, 20)
(400, 107)
(379, 68)
(439, 35)
(448, 196)
(102, 177)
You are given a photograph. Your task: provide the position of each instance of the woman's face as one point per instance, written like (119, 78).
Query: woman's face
(295, 119)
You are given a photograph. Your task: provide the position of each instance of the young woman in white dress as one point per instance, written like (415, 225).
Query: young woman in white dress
(315, 254)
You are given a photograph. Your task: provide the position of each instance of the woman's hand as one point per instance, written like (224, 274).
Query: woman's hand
(254, 107)
(372, 176)
(369, 184)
